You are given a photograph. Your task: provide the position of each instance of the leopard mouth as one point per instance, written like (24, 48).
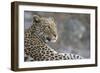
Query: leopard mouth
(48, 39)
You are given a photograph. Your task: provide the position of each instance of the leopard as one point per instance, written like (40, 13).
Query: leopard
(43, 30)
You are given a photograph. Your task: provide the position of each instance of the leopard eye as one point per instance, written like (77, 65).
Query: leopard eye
(49, 27)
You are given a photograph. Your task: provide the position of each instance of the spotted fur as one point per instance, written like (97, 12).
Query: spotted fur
(43, 30)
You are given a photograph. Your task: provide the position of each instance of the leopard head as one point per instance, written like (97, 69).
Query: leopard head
(45, 28)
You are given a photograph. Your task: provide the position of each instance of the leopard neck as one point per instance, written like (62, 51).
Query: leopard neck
(32, 30)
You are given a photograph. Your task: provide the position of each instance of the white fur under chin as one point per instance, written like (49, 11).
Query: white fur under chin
(53, 41)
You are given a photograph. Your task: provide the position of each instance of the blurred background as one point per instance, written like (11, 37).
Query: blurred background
(73, 31)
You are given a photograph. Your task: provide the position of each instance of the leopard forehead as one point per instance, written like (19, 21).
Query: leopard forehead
(48, 22)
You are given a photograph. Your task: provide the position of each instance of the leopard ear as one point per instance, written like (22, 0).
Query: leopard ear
(36, 18)
(52, 18)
